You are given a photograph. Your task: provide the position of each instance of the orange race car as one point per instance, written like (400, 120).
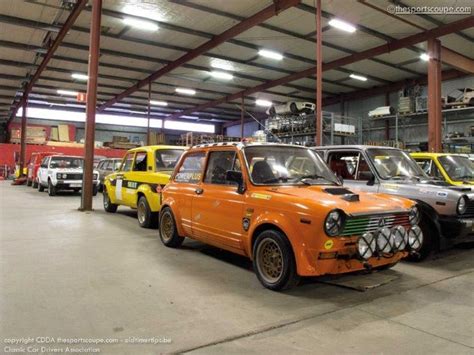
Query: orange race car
(281, 206)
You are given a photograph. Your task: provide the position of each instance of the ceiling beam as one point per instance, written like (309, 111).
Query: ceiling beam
(457, 60)
(243, 26)
(78, 7)
(380, 90)
(369, 53)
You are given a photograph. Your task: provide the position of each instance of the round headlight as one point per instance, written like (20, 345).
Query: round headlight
(366, 245)
(383, 240)
(333, 223)
(414, 215)
(415, 238)
(398, 238)
(462, 205)
(64, 176)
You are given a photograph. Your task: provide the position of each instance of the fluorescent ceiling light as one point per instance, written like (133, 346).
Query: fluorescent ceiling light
(264, 103)
(133, 121)
(144, 9)
(222, 64)
(270, 54)
(425, 57)
(221, 75)
(67, 92)
(342, 25)
(185, 91)
(140, 24)
(158, 103)
(80, 76)
(358, 77)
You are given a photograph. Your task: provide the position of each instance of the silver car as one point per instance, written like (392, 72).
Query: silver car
(447, 212)
(106, 167)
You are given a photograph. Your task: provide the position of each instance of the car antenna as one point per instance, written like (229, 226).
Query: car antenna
(258, 122)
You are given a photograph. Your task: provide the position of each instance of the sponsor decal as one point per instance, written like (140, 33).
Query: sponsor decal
(261, 196)
(442, 194)
(328, 244)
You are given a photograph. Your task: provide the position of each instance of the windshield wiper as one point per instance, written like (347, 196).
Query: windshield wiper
(304, 179)
(278, 179)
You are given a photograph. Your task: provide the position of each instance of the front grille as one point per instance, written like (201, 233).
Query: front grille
(469, 210)
(362, 224)
(76, 176)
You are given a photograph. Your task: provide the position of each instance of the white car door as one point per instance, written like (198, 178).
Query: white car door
(43, 171)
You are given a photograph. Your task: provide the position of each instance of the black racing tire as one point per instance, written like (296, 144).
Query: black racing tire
(101, 187)
(108, 206)
(40, 187)
(76, 190)
(29, 182)
(94, 190)
(51, 189)
(35, 184)
(430, 238)
(168, 231)
(146, 218)
(274, 261)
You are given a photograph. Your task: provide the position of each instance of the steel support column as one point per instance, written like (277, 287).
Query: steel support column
(434, 95)
(148, 116)
(242, 117)
(23, 136)
(319, 76)
(94, 47)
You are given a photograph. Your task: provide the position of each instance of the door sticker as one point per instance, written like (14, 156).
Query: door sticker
(118, 189)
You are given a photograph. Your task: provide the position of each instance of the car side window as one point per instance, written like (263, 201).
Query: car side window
(44, 163)
(218, 164)
(140, 161)
(191, 168)
(350, 165)
(425, 165)
(127, 163)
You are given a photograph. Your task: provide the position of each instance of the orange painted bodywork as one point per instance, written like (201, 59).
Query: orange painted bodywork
(216, 217)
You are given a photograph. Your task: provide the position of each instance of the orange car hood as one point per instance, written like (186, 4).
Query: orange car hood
(332, 197)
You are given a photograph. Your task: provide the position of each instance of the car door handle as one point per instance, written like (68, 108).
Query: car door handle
(199, 191)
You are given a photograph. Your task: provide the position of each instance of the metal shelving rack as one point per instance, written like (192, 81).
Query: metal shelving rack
(301, 129)
(451, 116)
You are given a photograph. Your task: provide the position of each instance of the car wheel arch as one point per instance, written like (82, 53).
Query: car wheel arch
(177, 216)
(432, 218)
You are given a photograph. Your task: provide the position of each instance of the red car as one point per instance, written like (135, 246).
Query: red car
(33, 166)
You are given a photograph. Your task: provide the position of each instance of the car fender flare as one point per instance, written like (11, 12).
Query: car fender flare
(171, 203)
(107, 184)
(283, 223)
(429, 211)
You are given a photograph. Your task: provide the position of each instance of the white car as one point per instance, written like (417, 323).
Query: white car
(292, 107)
(61, 172)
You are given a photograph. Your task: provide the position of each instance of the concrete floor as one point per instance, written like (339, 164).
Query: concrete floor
(95, 275)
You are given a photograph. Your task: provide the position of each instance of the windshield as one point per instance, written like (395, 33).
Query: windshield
(166, 159)
(394, 164)
(66, 163)
(283, 165)
(458, 168)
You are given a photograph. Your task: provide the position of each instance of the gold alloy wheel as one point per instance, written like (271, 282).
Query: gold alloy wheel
(167, 227)
(270, 260)
(141, 211)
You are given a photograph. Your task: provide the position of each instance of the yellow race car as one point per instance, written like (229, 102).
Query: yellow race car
(138, 182)
(455, 169)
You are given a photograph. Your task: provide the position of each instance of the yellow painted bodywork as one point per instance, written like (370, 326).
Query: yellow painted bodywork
(434, 158)
(139, 183)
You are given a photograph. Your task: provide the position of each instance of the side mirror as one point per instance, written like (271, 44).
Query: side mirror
(236, 176)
